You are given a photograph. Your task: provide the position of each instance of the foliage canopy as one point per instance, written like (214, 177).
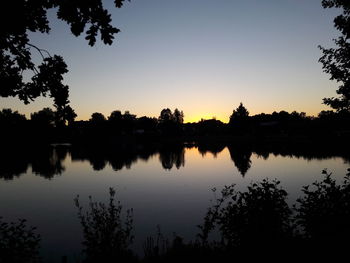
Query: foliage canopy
(16, 58)
(336, 61)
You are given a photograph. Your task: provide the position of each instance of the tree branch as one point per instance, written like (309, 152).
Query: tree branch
(40, 50)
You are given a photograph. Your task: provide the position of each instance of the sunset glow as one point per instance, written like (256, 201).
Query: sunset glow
(203, 57)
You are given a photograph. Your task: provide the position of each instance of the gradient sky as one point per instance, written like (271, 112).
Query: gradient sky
(201, 56)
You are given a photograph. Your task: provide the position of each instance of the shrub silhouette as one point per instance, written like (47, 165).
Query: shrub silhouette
(323, 213)
(18, 242)
(106, 236)
(256, 219)
(155, 247)
(161, 249)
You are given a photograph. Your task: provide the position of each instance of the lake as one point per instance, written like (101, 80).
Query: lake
(166, 185)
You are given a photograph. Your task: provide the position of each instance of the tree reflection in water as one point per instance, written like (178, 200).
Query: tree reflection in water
(47, 161)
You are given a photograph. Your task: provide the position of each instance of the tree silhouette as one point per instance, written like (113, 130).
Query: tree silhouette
(67, 114)
(115, 116)
(239, 120)
(335, 61)
(44, 117)
(326, 114)
(97, 118)
(16, 57)
(165, 116)
(127, 116)
(171, 123)
(146, 123)
(178, 116)
(241, 113)
(9, 117)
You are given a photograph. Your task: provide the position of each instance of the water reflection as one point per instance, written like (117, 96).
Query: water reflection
(117, 157)
(47, 161)
(174, 199)
(173, 155)
(213, 148)
(240, 156)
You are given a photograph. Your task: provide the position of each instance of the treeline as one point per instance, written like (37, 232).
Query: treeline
(43, 125)
(255, 224)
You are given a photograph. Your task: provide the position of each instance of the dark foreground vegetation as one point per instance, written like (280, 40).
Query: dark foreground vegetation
(255, 224)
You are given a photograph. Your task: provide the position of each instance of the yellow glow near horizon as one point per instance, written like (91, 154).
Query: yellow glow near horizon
(197, 116)
(205, 116)
(193, 111)
(194, 117)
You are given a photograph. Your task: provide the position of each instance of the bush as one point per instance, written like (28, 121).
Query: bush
(18, 243)
(256, 219)
(323, 213)
(106, 236)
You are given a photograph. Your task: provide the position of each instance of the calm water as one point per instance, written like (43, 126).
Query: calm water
(169, 187)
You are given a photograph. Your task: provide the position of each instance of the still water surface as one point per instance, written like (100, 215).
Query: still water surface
(170, 187)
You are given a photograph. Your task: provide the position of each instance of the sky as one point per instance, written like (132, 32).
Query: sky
(203, 57)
